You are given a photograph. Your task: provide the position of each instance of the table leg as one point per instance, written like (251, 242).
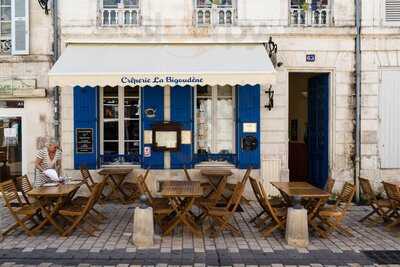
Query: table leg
(49, 216)
(115, 184)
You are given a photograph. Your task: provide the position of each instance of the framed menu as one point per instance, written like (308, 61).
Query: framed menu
(84, 140)
(167, 137)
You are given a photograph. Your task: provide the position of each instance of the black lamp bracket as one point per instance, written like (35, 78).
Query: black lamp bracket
(44, 4)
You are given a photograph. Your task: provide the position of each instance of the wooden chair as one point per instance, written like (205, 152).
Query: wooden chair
(332, 218)
(393, 194)
(220, 216)
(330, 184)
(263, 200)
(23, 213)
(76, 214)
(133, 188)
(380, 207)
(161, 206)
(205, 185)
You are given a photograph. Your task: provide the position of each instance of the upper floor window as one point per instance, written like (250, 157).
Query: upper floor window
(310, 12)
(392, 11)
(5, 27)
(120, 12)
(215, 12)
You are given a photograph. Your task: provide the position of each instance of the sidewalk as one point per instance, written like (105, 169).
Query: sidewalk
(370, 245)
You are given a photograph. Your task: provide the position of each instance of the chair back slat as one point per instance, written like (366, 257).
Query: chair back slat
(187, 175)
(9, 193)
(271, 210)
(216, 194)
(25, 186)
(144, 190)
(246, 176)
(256, 190)
(234, 200)
(87, 177)
(366, 189)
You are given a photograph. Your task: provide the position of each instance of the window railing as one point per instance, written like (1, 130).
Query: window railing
(120, 16)
(215, 15)
(5, 46)
(320, 16)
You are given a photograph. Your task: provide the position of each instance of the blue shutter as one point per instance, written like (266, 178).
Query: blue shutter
(152, 97)
(182, 113)
(248, 111)
(86, 117)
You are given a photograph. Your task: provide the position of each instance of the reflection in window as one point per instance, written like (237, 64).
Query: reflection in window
(215, 119)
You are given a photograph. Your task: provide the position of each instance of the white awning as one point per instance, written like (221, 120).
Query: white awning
(161, 64)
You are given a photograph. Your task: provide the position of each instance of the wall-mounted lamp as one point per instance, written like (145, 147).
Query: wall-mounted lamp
(272, 49)
(44, 4)
(270, 101)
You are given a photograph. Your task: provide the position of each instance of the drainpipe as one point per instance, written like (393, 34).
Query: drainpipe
(56, 98)
(357, 167)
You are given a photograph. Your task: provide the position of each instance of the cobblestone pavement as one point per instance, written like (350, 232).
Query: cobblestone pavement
(371, 245)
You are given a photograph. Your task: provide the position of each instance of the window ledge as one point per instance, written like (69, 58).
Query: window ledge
(212, 164)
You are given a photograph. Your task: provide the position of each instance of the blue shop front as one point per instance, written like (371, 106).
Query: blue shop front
(165, 106)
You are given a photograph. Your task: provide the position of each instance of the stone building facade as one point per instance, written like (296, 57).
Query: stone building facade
(26, 113)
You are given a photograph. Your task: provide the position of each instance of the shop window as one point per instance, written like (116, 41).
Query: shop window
(5, 27)
(120, 125)
(310, 12)
(120, 12)
(215, 12)
(215, 120)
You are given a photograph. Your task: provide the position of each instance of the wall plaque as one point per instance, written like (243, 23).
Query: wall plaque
(84, 140)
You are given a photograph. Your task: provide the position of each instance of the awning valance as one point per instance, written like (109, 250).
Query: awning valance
(161, 64)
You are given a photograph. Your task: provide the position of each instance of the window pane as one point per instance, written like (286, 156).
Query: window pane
(111, 130)
(132, 130)
(204, 124)
(110, 108)
(5, 2)
(110, 147)
(132, 108)
(111, 91)
(5, 28)
(204, 90)
(131, 91)
(224, 120)
(132, 148)
(110, 3)
(131, 3)
(5, 13)
(225, 90)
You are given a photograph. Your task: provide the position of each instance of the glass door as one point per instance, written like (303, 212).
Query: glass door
(10, 147)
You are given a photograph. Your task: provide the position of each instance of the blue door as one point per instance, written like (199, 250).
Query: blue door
(318, 129)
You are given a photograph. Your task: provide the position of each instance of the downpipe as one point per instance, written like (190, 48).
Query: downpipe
(357, 161)
(56, 54)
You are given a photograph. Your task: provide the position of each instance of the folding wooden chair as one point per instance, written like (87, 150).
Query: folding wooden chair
(220, 216)
(263, 200)
(161, 206)
(330, 184)
(332, 218)
(380, 207)
(23, 213)
(76, 214)
(393, 194)
(133, 188)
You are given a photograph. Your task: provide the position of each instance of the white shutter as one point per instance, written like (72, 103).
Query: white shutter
(389, 129)
(392, 10)
(20, 27)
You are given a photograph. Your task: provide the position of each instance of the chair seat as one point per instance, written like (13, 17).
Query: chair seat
(80, 200)
(71, 210)
(276, 202)
(385, 203)
(28, 209)
(330, 213)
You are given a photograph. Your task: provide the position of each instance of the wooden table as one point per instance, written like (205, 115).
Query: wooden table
(215, 176)
(114, 178)
(51, 200)
(294, 192)
(393, 182)
(182, 195)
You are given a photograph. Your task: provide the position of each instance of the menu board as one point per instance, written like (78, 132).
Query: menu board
(84, 140)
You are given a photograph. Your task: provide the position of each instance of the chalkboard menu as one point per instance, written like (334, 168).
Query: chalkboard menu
(84, 140)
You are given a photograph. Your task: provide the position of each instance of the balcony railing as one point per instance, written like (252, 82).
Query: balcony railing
(211, 15)
(318, 17)
(120, 16)
(5, 46)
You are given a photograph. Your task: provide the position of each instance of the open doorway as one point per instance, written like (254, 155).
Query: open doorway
(309, 127)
